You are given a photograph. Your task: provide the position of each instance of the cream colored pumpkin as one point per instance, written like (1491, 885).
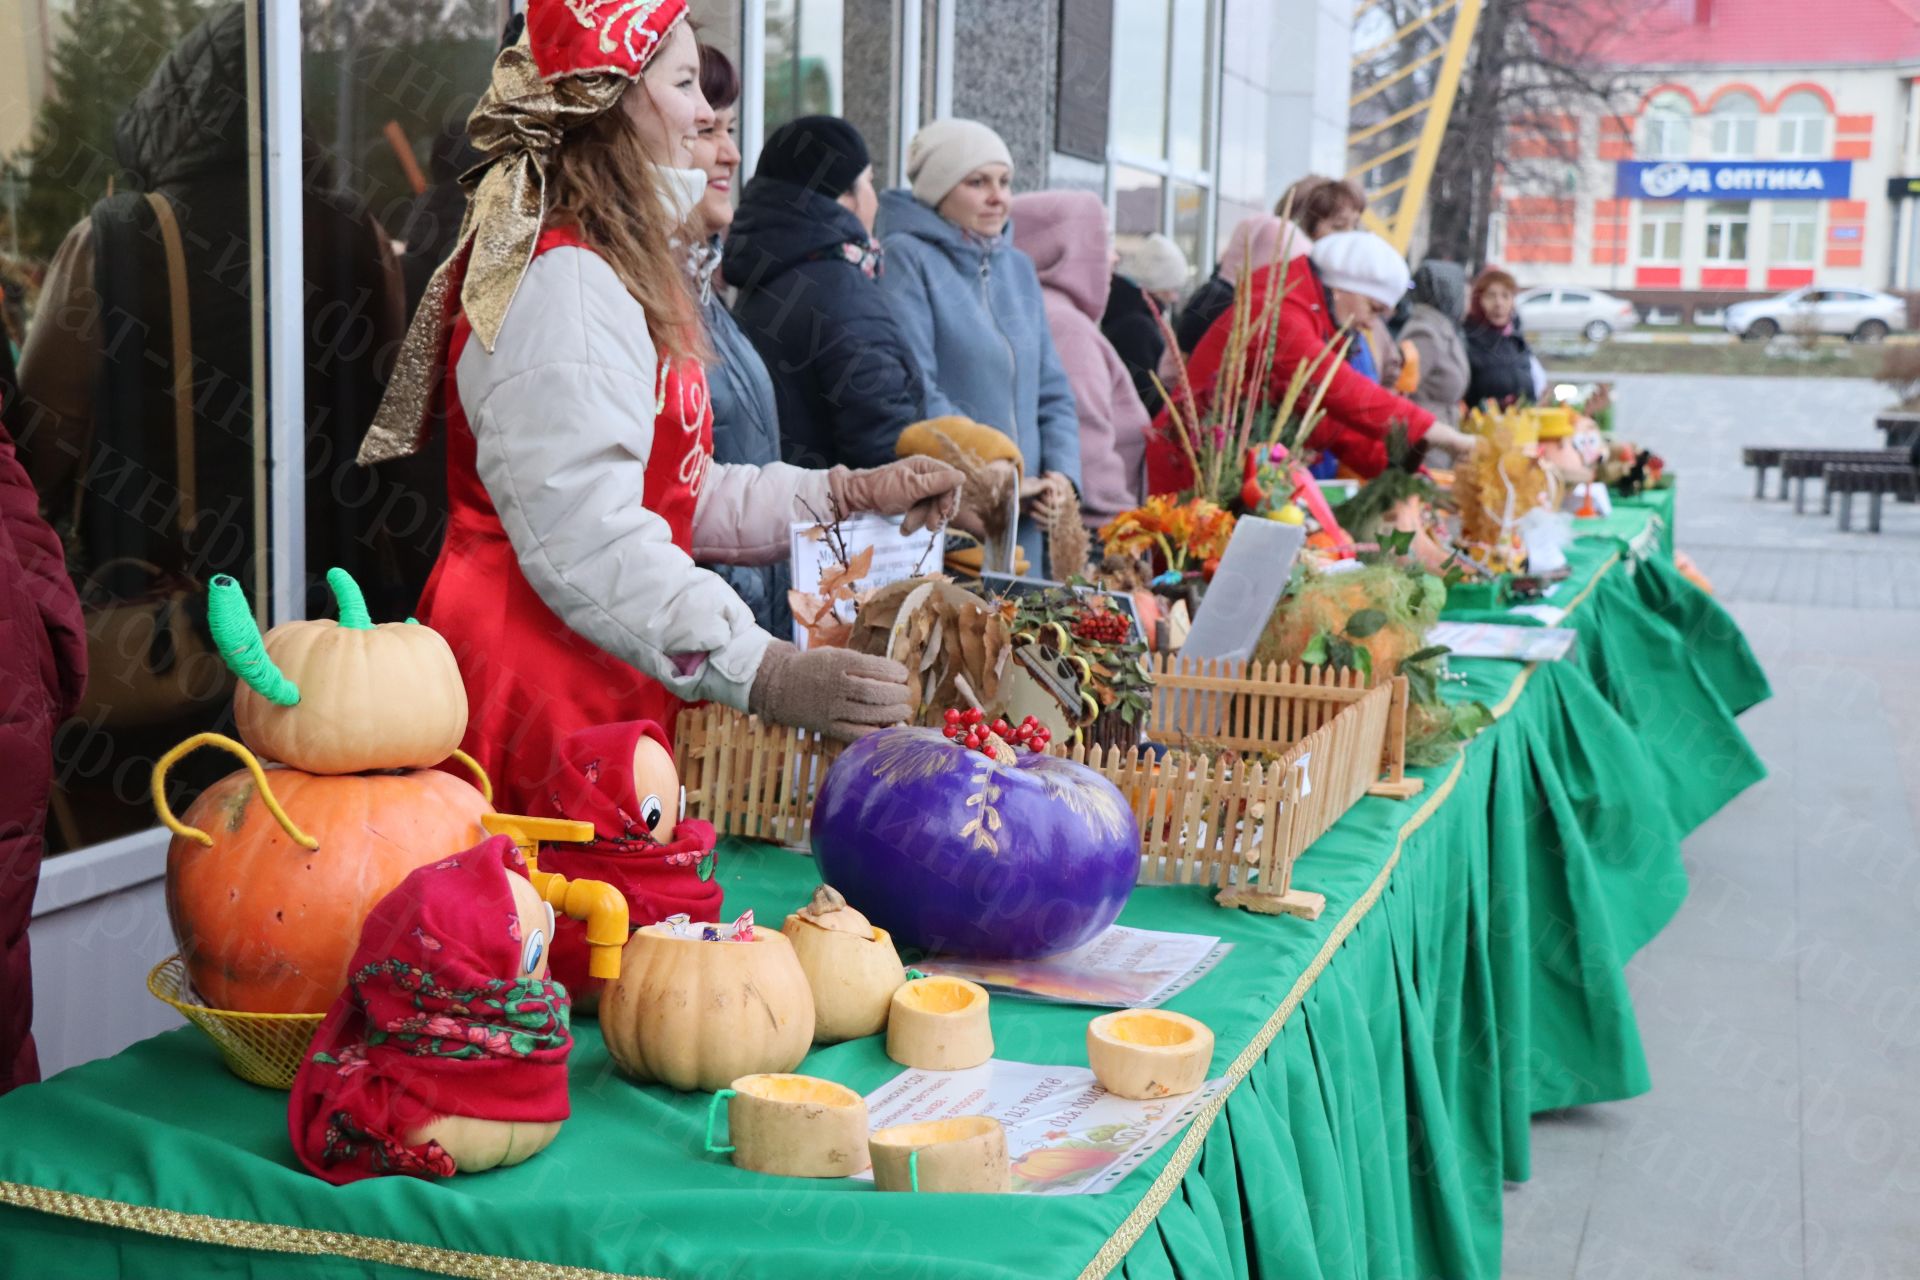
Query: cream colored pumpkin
(476, 1145)
(340, 697)
(939, 1024)
(966, 1154)
(851, 966)
(797, 1126)
(1149, 1053)
(699, 1015)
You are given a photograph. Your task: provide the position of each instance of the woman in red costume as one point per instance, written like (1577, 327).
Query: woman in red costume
(561, 348)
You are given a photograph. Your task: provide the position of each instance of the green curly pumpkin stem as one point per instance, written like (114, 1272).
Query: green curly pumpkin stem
(353, 605)
(237, 637)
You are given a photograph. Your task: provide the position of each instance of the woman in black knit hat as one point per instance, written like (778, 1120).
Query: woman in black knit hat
(802, 256)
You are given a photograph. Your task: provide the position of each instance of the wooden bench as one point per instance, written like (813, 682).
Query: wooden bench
(1876, 480)
(1760, 458)
(1901, 429)
(1800, 465)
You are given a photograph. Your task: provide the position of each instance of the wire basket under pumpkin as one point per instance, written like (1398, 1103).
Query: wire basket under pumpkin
(261, 1048)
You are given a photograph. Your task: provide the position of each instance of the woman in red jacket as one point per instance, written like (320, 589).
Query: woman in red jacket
(43, 669)
(1350, 278)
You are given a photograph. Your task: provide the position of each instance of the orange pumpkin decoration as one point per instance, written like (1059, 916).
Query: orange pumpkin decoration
(340, 697)
(272, 872)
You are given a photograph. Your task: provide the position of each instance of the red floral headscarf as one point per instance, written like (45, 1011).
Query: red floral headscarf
(592, 781)
(435, 1021)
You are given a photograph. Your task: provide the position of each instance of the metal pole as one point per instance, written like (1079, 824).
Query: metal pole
(280, 312)
(908, 14)
(945, 18)
(753, 84)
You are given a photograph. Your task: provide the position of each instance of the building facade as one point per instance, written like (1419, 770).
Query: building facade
(1761, 152)
(1185, 114)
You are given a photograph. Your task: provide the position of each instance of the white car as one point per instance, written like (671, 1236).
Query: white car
(1594, 315)
(1864, 315)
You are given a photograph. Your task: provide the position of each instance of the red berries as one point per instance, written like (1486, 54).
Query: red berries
(970, 730)
(1103, 626)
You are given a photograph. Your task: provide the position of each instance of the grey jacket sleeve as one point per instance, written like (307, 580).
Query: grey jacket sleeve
(562, 413)
(1059, 417)
(904, 280)
(746, 513)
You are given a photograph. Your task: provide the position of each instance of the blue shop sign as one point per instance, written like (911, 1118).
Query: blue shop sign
(1734, 179)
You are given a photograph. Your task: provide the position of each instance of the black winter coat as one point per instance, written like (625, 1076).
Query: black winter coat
(844, 379)
(1208, 303)
(1129, 325)
(1502, 365)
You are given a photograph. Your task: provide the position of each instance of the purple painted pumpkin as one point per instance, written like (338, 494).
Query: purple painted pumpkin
(955, 853)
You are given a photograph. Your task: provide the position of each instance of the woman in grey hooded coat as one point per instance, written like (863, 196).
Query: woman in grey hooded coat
(1433, 327)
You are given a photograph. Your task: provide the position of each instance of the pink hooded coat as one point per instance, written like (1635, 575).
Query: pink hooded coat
(1065, 233)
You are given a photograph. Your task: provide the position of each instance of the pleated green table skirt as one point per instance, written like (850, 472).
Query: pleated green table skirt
(1468, 972)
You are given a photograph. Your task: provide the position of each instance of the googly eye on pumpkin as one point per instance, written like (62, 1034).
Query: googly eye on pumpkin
(535, 953)
(651, 811)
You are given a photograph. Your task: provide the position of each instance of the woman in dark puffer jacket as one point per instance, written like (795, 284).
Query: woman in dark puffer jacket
(802, 255)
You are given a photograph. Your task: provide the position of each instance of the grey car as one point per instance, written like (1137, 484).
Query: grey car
(1591, 313)
(1865, 315)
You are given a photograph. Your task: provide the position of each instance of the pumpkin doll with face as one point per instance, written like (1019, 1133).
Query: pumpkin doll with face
(622, 779)
(447, 1052)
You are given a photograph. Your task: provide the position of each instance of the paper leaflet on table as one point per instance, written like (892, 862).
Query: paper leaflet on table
(1066, 1135)
(1492, 640)
(1123, 968)
(894, 557)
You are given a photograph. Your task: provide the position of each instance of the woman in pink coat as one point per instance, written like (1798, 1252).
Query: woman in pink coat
(1065, 233)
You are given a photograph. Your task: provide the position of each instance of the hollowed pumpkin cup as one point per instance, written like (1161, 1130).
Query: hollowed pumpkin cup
(968, 1154)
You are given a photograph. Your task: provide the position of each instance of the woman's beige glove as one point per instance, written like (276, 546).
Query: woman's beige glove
(924, 490)
(1452, 439)
(838, 692)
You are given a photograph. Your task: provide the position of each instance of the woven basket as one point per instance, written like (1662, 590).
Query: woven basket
(260, 1048)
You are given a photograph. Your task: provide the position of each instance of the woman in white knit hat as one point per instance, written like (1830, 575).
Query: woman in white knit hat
(1350, 279)
(1147, 285)
(971, 307)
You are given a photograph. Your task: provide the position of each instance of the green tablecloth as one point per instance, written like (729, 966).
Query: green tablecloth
(1468, 972)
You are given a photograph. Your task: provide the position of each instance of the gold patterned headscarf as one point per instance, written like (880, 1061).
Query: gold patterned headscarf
(518, 125)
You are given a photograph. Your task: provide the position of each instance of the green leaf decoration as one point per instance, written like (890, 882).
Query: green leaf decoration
(1315, 653)
(1363, 659)
(1427, 654)
(1366, 622)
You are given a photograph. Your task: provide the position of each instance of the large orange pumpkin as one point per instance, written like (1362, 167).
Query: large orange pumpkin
(268, 926)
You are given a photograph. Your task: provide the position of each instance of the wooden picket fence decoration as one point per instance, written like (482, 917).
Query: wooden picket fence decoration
(1256, 707)
(1202, 820)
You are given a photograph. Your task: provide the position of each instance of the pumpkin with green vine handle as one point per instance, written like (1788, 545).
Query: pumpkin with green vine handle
(340, 697)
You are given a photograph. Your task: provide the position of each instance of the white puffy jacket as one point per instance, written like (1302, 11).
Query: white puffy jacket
(562, 413)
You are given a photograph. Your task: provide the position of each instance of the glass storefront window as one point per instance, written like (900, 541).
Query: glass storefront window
(1187, 89)
(1660, 228)
(1727, 231)
(1140, 77)
(1790, 232)
(1667, 133)
(1803, 125)
(1137, 199)
(1189, 219)
(803, 59)
(125, 132)
(385, 93)
(1736, 126)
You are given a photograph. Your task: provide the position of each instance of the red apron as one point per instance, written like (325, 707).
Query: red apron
(531, 681)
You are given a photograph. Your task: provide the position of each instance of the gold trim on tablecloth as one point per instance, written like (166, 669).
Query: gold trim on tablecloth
(274, 1238)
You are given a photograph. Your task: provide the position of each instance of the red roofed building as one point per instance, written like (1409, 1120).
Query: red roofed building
(1768, 148)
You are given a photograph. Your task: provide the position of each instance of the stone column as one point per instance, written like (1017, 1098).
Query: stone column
(1005, 62)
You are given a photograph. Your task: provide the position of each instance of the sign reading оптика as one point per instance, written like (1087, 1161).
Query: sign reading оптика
(1734, 179)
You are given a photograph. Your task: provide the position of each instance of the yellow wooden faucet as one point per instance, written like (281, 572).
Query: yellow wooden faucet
(595, 902)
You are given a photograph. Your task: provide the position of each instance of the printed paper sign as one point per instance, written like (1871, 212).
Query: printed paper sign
(1066, 1136)
(895, 557)
(1492, 640)
(1121, 969)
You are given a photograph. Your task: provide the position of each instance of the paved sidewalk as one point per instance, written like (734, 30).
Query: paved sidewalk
(1781, 1008)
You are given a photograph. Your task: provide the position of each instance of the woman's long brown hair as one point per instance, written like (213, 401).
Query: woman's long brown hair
(602, 184)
